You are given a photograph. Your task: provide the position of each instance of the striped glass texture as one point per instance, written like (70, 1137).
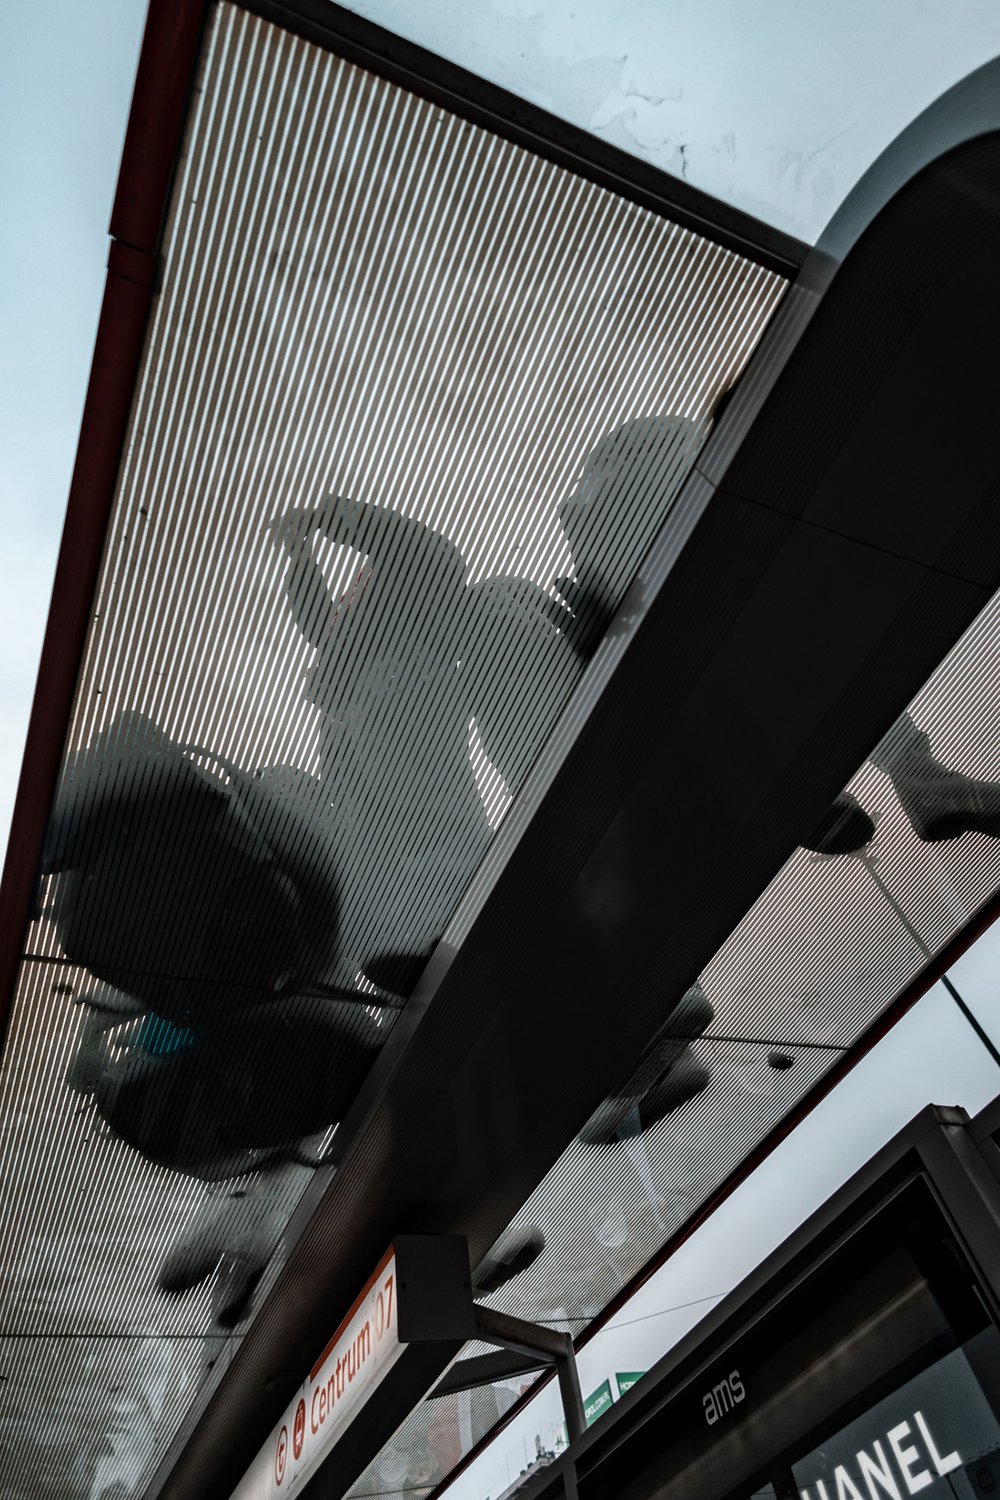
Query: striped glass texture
(831, 942)
(413, 406)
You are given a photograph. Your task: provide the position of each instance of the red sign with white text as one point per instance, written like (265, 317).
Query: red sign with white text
(359, 1355)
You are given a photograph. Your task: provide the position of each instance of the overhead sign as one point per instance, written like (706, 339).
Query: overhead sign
(369, 1343)
(357, 1357)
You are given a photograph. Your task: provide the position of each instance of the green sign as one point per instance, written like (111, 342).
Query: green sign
(598, 1402)
(627, 1378)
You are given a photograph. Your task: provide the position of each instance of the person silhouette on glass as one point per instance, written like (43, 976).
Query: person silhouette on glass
(939, 802)
(532, 645)
(411, 654)
(403, 811)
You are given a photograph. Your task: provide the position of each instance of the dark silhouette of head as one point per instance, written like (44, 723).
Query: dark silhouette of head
(630, 474)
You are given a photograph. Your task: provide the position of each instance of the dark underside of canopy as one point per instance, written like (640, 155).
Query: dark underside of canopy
(837, 559)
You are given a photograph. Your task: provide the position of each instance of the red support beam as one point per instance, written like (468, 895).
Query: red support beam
(159, 103)
(163, 83)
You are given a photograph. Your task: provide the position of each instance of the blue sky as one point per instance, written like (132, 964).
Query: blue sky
(66, 75)
(778, 106)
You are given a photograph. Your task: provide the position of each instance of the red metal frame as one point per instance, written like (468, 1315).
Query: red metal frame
(163, 84)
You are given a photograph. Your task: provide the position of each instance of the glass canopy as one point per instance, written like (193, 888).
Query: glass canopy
(413, 407)
(777, 109)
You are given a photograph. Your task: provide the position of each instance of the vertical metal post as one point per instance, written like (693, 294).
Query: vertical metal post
(572, 1396)
(531, 1338)
(971, 1197)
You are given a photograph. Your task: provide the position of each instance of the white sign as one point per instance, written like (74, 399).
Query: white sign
(361, 1352)
(913, 1458)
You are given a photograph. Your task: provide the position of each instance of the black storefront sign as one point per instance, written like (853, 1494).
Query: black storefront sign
(861, 1362)
(938, 1426)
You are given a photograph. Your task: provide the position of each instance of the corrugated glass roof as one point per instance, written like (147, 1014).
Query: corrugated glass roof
(413, 406)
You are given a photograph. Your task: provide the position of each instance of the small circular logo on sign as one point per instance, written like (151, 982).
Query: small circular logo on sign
(281, 1455)
(299, 1430)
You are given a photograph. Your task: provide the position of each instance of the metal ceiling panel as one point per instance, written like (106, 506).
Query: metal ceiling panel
(413, 406)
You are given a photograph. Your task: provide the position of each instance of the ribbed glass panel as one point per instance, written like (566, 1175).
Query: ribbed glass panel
(901, 865)
(134, 1389)
(413, 407)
